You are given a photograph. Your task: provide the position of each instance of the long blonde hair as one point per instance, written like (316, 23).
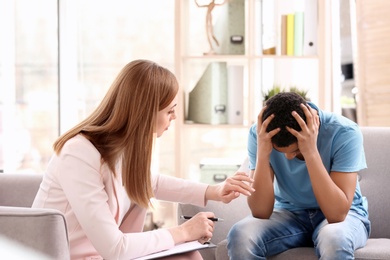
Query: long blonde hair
(124, 123)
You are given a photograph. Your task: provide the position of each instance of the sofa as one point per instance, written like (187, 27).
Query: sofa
(40, 232)
(374, 183)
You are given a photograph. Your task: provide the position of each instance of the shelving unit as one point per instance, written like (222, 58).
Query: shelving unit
(196, 143)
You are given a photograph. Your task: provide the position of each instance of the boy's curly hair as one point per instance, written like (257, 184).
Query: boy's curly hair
(282, 105)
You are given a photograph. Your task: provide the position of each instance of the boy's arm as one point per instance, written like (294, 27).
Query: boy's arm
(334, 192)
(261, 203)
(262, 200)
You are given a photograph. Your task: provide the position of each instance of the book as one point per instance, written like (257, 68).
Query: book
(298, 33)
(290, 34)
(178, 249)
(283, 35)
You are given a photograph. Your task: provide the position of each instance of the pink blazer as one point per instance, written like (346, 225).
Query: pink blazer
(101, 220)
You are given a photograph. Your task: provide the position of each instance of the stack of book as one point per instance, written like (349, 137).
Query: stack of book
(292, 34)
(298, 35)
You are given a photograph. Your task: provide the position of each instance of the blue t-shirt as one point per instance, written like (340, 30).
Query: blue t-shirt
(340, 144)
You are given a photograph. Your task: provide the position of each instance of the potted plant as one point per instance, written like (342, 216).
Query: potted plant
(277, 89)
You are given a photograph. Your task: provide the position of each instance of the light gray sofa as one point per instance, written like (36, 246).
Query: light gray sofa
(375, 185)
(37, 230)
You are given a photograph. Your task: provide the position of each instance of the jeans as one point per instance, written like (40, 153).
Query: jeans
(253, 238)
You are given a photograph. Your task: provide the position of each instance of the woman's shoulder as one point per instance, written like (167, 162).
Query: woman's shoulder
(80, 146)
(78, 141)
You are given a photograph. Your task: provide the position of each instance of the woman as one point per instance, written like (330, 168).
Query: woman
(100, 178)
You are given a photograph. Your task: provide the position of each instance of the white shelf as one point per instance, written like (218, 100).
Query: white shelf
(194, 141)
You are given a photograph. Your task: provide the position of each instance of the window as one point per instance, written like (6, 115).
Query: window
(57, 60)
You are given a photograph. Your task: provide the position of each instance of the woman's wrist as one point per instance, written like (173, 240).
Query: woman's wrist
(212, 193)
(178, 234)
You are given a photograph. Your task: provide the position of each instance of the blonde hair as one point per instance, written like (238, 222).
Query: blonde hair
(124, 123)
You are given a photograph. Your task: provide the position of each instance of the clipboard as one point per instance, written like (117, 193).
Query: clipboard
(178, 249)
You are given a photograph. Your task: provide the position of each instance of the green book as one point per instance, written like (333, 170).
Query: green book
(298, 33)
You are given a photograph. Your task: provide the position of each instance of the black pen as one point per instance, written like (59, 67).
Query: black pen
(213, 219)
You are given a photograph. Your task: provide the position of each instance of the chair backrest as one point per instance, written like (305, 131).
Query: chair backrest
(375, 180)
(18, 190)
(43, 230)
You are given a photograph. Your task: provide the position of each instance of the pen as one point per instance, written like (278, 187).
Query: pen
(213, 219)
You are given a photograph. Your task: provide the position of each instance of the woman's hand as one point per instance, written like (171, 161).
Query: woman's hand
(231, 188)
(199, 227)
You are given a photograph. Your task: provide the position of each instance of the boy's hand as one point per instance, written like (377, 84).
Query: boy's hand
(307, 137)
(264, 143)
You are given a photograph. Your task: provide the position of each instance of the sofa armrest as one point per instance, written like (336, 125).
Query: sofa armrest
(19, 190)
(43, 230)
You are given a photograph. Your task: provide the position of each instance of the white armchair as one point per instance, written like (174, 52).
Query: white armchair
(42, 230)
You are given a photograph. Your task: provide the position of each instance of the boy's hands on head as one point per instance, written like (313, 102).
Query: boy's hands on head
(307, 137)
(264, 143)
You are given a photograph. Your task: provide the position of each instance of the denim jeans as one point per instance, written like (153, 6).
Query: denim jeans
(253, 238)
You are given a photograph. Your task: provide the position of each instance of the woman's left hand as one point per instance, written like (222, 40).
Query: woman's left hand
(231, 188)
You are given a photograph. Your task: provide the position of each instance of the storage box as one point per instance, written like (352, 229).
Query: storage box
(214, 171)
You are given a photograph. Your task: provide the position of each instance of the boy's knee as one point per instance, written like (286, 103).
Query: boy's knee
(235, 234)
(333, 243)
(332, 234)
